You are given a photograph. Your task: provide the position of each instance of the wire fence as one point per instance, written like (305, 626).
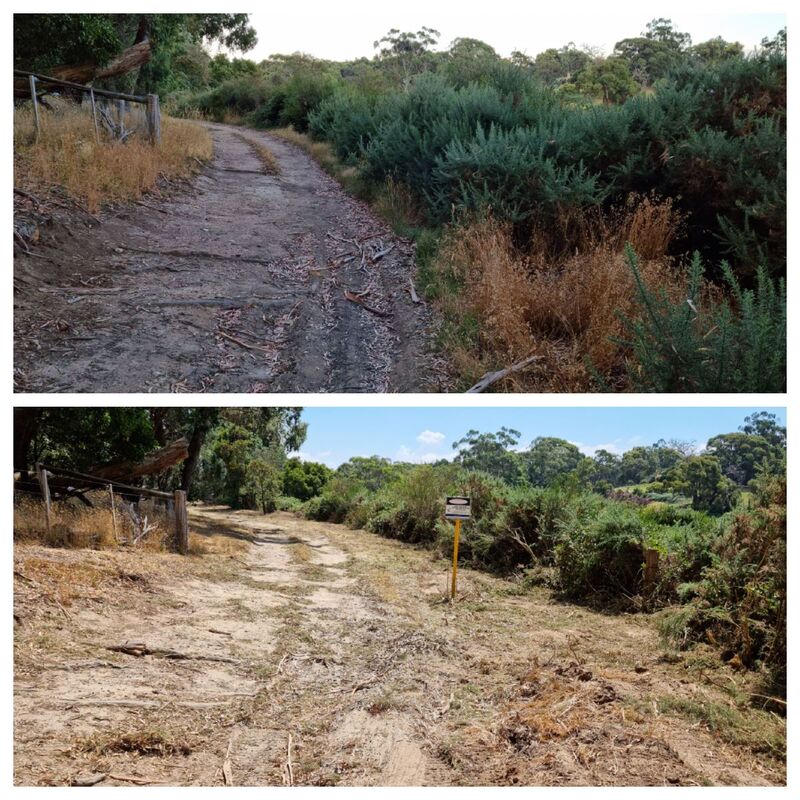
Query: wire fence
(64, 506)
(114, 115)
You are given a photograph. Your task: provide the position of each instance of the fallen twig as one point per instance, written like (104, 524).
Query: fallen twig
(227, 767)
(288, 770)
(356, 298)
(139, 649)
(244, 344)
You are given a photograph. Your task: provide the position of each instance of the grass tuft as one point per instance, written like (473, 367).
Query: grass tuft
(68, 156)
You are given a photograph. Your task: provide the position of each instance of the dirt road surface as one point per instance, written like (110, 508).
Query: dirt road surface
(235, 284)
(316, 655)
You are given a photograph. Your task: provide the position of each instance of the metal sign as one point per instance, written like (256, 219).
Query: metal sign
(457, 508)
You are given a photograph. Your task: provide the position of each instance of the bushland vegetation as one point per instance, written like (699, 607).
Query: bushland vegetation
(622, 217)
(581, 525)
(544, 514)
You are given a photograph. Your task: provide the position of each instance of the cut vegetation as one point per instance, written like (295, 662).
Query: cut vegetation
(618, 620)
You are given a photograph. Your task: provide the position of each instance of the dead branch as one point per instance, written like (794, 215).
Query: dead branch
(356, 298)
(492, 377)
(139, 649)
(227, 767)
(288, 770)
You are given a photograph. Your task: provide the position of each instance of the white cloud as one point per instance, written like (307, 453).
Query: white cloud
(431, 437)
(322, 456)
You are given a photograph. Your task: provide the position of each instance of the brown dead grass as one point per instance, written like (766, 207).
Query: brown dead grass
(82, 527)
(68, 156)
(145, 743)
(64, 582)
(216, 544)
(264, 155)
(567, 312)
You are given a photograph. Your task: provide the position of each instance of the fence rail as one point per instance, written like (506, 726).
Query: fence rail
(179, 541)
(150, 101)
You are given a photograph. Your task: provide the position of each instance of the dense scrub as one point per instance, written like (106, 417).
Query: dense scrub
(713, 138)
(538, 189)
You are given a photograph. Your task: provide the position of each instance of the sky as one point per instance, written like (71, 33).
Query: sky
(427, 434)
(347, 29)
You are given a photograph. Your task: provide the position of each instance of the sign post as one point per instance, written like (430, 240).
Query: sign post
(456, 509)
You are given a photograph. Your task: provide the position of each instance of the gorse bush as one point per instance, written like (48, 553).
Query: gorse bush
(740, 602)
(700, 344)
(714, 139)
(545, 184)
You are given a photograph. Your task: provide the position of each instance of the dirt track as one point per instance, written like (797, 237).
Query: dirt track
(337, 647)
(235, 284)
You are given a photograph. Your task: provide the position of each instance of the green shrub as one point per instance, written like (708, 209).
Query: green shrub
(601, 558)
(737, 346)
(741, 600)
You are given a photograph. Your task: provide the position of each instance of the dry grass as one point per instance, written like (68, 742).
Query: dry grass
(63, 582)
(146, 742)
(264, 155)
(83, 527)
(215, 544)
(68, 156)
(566, 312)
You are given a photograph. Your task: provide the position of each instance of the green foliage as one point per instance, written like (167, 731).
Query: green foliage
(690, 346)
(490, 453)
(80, 438)
(304, 479)
(602, 556)
(549, 457)
(42, 41)
(608, 78)
(740, 603)
(264, 483)
(701, 479)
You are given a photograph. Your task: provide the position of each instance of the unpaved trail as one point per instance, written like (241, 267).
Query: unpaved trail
(236, 284)
(325, 656)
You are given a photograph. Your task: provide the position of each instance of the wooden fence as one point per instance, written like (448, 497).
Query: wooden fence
(179, 541)
(150, 102)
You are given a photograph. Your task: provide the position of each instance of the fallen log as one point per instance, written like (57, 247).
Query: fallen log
(128, 60)
(151, 464)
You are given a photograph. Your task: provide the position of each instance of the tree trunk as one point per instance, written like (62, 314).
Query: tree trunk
(26, 424)
(195, 445)
(151, 464)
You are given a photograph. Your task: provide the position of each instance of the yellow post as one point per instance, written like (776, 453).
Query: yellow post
(455, 559)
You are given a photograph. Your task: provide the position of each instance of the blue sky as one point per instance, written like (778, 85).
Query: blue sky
(426, 434)
(348, 28)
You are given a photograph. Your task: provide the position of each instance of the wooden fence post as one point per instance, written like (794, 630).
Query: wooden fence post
(41, 474)
(650, 570)
(181, 523)
(94, 116)
(113, 512)
(153, 119)
(32, 81)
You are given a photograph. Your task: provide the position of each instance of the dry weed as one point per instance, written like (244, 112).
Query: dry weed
(215, 544)
(92, 527)
(67, 155)
(567, 312)
(146, 743)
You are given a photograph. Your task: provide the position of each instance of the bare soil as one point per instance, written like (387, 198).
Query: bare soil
(235, 283)
(316, 655)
